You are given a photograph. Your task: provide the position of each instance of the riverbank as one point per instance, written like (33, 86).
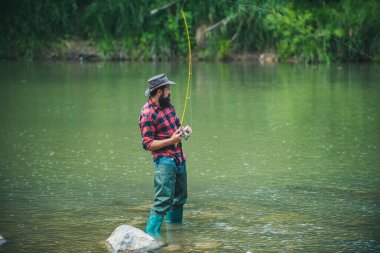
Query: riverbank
(90, 51)
(82, 50)
(221, 31)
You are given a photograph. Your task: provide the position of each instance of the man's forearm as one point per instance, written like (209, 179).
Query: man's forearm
(158, 144)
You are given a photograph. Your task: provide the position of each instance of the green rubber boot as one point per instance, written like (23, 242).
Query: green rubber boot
(174, 215)
(154, 223)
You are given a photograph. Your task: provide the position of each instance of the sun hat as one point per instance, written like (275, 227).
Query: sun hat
(156, 82)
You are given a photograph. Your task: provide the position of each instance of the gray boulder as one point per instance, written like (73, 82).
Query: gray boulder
(2, 240)
(127, 238)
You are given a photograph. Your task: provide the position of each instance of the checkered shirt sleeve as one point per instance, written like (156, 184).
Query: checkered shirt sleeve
(147, 126)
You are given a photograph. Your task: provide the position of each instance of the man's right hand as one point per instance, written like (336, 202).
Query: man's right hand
(176, 137)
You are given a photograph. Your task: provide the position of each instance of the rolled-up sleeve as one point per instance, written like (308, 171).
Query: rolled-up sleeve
(147, 129)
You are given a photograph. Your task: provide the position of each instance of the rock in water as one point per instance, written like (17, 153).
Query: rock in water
(127, 238)
(2, 240)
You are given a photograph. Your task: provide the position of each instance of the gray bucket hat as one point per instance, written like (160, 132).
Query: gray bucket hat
(156, 82)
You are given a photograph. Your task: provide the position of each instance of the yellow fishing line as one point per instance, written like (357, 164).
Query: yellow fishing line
(189, 70)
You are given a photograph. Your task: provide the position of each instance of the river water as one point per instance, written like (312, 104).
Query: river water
(283, 158)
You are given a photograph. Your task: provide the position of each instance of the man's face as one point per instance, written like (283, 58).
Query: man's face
(167, 91)
(164, 99)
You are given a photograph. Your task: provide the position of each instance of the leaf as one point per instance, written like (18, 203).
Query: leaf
(339, 32)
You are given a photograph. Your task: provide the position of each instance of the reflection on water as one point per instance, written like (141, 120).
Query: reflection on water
(283, 158)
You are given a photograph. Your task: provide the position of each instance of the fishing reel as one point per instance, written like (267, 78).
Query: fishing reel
(185, 133)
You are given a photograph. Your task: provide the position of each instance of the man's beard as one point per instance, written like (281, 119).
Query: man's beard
(164, 102)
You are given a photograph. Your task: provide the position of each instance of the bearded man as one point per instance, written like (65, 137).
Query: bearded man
(161, 134)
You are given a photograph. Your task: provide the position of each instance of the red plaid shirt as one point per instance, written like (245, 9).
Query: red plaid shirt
(160, 124)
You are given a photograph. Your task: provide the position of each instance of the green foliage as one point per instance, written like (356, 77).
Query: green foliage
(296, 36)
(313, 31)
(224, 50)
(27, 26)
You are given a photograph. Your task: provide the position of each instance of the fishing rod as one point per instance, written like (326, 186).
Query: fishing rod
(186, 133)
(189, 66)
